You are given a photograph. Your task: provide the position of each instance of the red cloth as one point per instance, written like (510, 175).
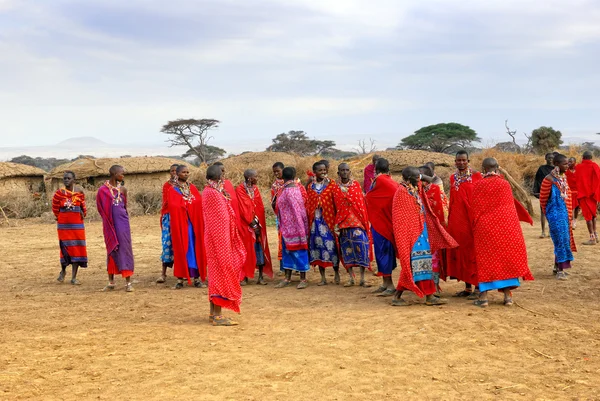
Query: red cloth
(587, 174)
(165, 194)
(112, 268)
(497, 235)
(180, 211)
(351, 210)
(461, 260)
(71, 233)
(379, 204)
(437, 201)
(369, 177)
(572, 181)
(225, 252)
(250, 207)
(408, 226)
(228, 187)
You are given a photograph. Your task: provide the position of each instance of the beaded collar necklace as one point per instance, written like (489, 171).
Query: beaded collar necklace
(115, 192)
(561, 181)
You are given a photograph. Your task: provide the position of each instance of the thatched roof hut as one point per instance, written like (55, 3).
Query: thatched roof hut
(15, 177)
(140, 172)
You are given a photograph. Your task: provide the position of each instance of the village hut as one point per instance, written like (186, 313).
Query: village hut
(20, 178)
(141, 173)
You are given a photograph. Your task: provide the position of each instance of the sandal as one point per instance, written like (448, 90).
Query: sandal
(211, 318)
(129, 287)
(223, 321)
(261, 281)
(75, 282)
(302, 285)
(561, 276)
(474, 295)
(463, 294)
(508, 301)
(179, 285)
(387, 293)
(379, 290)
(161, 279)
(482, 303)
(336, 279)
(322, 283)
(543, 235)
(435, 301)
(61, 276)
(198, 284)
(364, 284)
(399, 302)
(350, 283)
(109, 287)
(283, 284)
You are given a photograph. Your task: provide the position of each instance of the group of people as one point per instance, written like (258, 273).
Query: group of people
(218, 238)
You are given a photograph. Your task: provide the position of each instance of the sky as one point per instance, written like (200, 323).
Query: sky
(342, 70)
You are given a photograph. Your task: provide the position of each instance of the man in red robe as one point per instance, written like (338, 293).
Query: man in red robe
(379, 206)
(225, 252)
(254, 236)
(461, 260)
(323, 242)
(228, 186)
(588, 193)
(418, 234)
(369, 174)
(166, 256)
(572, 181)
(501, 255)
(187, 230)
(352, 222)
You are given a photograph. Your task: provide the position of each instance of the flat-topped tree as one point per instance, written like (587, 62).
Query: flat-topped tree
(193, 133)
(441, 138)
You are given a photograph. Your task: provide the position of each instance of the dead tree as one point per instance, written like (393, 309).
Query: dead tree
(364, 148)
(513, 134)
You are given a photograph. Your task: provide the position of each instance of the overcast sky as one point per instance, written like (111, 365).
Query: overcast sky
(338, 69)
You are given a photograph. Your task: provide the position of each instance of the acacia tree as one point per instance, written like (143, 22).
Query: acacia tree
(545, 139)
(211, 154)
(298, 142)
(191, 132)
(441, 138)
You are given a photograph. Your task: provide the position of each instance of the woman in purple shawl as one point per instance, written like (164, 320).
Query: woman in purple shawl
(111, 201)
(293, 226)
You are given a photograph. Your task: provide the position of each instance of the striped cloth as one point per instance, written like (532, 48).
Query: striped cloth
(69, 208)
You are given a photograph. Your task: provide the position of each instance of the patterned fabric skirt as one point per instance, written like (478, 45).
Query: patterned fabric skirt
(323, 252)
(559, 225)
(420, 258)
(167, 246)
(354, 244)
(295, 260)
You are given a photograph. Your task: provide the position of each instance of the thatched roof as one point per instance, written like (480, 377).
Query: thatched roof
(400, 159)
(8, 170)
(86, 167)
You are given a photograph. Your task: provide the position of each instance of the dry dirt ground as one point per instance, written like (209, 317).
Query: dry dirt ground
(61, 342)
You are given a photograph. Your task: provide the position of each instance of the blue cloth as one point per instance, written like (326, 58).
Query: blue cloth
(167, 246)
(260, 254)
(558, 221)
(354, 245)
(294, 260)
(499, 284)
(191, 252)
(385, 255)
(322, 242)
(421, 262)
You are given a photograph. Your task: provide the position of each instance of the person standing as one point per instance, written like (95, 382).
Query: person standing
(588, 193)
(293, 225)
(187, 230)
(352, 221)
(379, 207)
(225, 252)
(418, 234)
(500, 251)
(555, 200)
(69, 208)
(369, 174)
(111, 201)
(461, 261)
(252, 213)
(323, 243)
(542, 173)
(572, 181)
(276, 189)
(166, 256)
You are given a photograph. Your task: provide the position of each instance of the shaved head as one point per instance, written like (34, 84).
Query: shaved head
(587, 155)
(214, 172)
(411, 174)
(249, 173)
(490, 164)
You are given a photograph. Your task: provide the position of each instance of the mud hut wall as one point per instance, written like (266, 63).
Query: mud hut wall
(12, 185)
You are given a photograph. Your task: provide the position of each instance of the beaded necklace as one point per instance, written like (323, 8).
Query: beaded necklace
(414, 192)
(561, 182)
(186, 192)
(70, 202)
(218, 186)
(115, 192)
(490, 174)
(249, 190)
(462, 177)
(345, 187)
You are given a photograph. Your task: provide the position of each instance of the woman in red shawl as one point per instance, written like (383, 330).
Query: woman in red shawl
(588, 193)
(68, 205)
(379, 206)
(166, 256)
(254, 236)
(225, 252)
(369, 174)
(187, 230)
(572, 181)
(461, 260)
(500, 249)
(418, 233)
